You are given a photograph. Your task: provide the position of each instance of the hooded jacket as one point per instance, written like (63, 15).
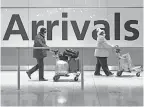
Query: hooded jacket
(102, 45)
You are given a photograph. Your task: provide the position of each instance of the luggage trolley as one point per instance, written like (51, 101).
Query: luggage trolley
(125, 63)
(66, 63)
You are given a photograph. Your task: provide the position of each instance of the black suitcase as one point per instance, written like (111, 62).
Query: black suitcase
(73, 65)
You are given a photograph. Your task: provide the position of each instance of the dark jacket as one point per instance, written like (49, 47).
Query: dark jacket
(39, 42)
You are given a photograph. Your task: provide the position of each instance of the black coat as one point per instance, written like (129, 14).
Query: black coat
(39, 42)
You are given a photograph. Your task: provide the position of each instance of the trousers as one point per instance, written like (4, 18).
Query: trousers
(102, 62)
(40, 66)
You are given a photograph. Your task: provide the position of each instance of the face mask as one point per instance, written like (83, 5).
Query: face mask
(44, 33)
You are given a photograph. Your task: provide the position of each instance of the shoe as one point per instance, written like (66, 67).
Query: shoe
(111, 73)
(42, 79)
(29, 75)
(97, 74)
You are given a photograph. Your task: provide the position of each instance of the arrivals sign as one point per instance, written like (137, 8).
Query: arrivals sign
(72, 27)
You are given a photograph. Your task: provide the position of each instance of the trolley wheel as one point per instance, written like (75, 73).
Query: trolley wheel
(138, 74)
(119, 73)
(76, 78)
(56, 77)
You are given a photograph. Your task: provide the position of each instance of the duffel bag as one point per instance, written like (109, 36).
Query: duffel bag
(71, 53)
(62, 57)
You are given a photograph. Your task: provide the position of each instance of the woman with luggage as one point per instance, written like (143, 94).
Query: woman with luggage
(101, 53)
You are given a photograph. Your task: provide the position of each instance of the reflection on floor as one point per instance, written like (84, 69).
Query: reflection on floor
(98, 90)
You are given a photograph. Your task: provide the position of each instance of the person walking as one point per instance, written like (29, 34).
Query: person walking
(101, 53)
(39, 54)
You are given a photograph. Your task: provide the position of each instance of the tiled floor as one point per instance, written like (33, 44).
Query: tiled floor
(98, 91)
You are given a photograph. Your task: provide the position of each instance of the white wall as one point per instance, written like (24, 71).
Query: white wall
(72, 3)
(80, 11)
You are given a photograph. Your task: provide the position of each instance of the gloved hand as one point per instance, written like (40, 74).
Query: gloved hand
(48, 49)
(117, 49)
(116, 46)
(54, 51)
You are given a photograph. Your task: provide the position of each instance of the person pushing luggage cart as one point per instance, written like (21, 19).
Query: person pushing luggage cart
(101, 53)
(39, 54)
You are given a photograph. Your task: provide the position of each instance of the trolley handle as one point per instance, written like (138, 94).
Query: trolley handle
(117, 49)
(54, 51)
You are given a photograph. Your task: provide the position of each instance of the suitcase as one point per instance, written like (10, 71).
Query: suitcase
(62, 67)
(73, 65)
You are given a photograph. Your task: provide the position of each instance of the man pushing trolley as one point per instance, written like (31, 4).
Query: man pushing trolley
(39, 54)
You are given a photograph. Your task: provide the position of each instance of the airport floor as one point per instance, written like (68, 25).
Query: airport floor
(98, 90)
